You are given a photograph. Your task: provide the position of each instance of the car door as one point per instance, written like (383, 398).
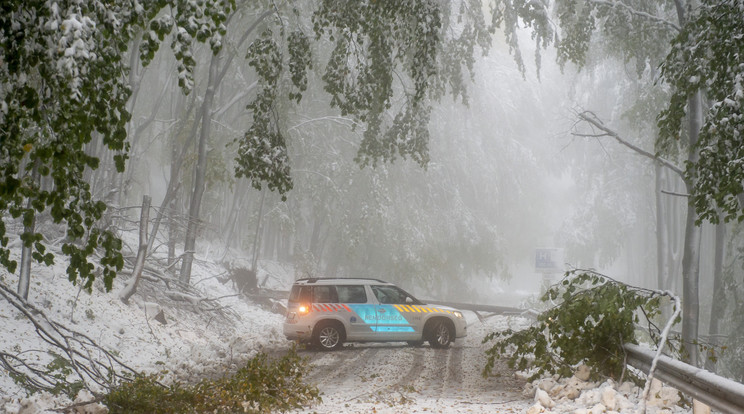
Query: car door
(393, 323)
(362, 314)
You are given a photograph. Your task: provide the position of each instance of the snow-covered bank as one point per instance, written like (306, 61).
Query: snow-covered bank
(193, 342)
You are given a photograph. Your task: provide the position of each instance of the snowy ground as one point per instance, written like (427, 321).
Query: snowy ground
(194, 343)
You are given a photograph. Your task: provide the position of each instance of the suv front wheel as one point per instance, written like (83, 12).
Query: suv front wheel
(440, 333)
(328, 335)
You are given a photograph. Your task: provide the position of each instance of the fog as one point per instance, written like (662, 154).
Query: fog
(473, 153)
(507, 175)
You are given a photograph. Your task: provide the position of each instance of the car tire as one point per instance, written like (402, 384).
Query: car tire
(328, 335)
(440, 333)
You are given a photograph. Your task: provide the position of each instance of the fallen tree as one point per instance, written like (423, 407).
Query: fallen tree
(75, 361)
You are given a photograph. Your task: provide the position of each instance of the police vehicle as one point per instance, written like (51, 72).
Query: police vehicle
(326, 312)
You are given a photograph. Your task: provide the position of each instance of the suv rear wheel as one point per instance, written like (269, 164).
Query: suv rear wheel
(328, 335)
(439, 333)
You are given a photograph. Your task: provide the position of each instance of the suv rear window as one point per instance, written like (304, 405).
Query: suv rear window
(351, 294)
(325, 294)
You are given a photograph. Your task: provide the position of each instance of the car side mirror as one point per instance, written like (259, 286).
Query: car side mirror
(409, 300)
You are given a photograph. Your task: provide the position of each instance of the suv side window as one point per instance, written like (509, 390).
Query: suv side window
(351, 294)
(390, 295)
(325, 294)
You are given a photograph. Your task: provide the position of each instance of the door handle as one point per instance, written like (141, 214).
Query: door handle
(381, 310)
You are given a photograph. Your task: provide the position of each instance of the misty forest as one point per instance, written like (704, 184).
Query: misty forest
(434, 144)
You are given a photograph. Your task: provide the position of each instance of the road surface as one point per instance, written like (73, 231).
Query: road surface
(397, 378)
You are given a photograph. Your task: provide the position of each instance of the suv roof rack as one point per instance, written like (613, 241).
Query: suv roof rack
(315, 279)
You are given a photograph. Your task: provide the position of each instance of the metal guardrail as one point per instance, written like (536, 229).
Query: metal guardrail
(501, 310)
(720, 393)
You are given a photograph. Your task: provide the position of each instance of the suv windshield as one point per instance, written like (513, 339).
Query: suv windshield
(392, 295)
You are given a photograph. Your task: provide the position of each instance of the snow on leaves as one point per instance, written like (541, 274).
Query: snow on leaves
(533, 13)
(708, 55)
(63, 81)
(396, 57)
(637, 31)
(372, 41)
(63, 74)
(262, 153)
(387, 61)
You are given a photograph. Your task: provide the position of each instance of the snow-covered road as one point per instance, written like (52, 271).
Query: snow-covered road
(397, 378)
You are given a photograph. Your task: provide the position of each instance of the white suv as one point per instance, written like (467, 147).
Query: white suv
(329, 312)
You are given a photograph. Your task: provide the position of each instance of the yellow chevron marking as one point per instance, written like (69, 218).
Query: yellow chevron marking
(400, 308)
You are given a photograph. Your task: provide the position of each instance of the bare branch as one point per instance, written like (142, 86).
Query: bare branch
(674, 193)
(592, 119)
(576, 134)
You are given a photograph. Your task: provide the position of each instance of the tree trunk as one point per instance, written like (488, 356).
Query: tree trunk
(169, 203)
(232, 217)
(172, 234)
(257, 238)
(139, 263)
(200, 173)
(315, 247)
(662, 237)
(691, 259)
(24, 278)
(719, 298)
(690, 287)
(213, 83)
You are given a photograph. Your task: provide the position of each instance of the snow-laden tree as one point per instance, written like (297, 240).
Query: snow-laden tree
(63, 82)
(64, 77)
(643, 33)
(382, 64)
(708, 56)
(699, 65)
(707, 59)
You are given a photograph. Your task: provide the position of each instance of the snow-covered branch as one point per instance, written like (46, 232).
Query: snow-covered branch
(662, 342)
(637, 13)
(347, 122)
(592, 119)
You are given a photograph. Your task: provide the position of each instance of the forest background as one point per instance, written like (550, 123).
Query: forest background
(620, 142)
